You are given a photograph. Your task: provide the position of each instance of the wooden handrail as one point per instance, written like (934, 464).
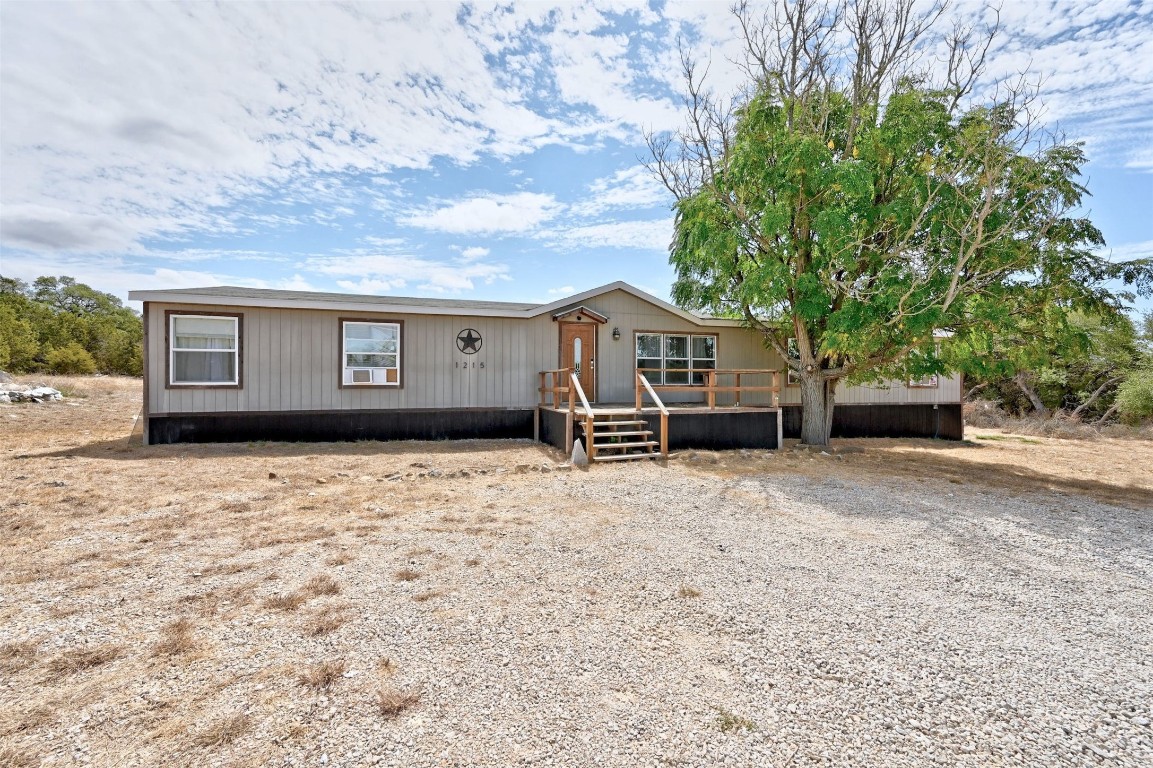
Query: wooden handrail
(652, 393)
(590, 438)
(643, 382)
(576, 384)
(710, 388)
(553, 387)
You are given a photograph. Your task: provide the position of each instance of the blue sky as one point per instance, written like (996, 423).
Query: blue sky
(480, 151)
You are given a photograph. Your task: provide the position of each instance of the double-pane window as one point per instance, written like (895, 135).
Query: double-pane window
(676, 358)
(371, 353)
(204, 350)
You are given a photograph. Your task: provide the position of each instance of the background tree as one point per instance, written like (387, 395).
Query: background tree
(855, 200)
(62, 326)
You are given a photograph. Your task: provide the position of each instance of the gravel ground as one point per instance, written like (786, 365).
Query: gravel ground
(772, 610)
(675, 616)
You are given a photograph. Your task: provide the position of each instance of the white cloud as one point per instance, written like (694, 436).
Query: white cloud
(564, 290)
(628, 188)
(383, 273)
(520, 212)
(473, 253)
(651, 235)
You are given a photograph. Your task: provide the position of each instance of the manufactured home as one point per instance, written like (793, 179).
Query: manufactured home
(626, 373)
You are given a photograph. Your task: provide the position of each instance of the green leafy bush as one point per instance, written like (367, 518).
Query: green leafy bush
(69, 359)
(1135, 396)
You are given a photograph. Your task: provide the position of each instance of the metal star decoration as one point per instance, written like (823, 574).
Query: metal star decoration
(468, 341)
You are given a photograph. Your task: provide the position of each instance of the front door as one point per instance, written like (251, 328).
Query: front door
(578, 349)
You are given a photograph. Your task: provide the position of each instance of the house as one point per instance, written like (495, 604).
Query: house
(239, 364)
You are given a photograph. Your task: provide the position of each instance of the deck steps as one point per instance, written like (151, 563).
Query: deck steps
(616, 439)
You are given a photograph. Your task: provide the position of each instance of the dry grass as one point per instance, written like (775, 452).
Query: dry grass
(18, 654)
(322, 584)
(224, 731)
(686, 591)
(14, 757)
(326, 621)
(406, 574)
(288, 601)
(342, 559)
(391, 702)
(80, 659)
(176, 638)
(322, 676)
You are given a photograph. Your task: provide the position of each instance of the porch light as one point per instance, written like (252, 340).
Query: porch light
(616, 334)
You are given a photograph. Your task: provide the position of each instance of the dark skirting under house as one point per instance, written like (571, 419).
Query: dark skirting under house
(335, 426)
(943, 421)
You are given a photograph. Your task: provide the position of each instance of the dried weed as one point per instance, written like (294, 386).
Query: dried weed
(686, 591)
(322, 584)
(223, 731)
(176, 639)
(390, 702)
(325, 621)
(80, 659)
(286, 602)
(406, 574)
(322, 676)
(18, 654)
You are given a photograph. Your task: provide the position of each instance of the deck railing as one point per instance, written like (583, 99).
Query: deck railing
(551, 384)
(710, 387)
(643, 384)
(590, 441)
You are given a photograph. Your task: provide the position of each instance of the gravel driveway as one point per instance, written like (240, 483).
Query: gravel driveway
(683, 615)
(836, 624)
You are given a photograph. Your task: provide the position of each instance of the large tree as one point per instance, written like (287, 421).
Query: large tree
(857, 200)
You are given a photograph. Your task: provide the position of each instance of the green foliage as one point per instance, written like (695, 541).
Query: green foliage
(56, 314)
(1135, 396)
(69, 359)
(862, 215)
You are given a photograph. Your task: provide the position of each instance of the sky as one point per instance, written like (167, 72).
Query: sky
(435, 149)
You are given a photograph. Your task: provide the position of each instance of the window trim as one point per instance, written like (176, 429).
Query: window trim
(690, 370)
(169, 316)
(342, 359)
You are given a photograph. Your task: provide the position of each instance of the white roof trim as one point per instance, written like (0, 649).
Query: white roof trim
(384, 307)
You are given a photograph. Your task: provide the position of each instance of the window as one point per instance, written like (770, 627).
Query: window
(370, 353)
(685, 357)
(204, 350)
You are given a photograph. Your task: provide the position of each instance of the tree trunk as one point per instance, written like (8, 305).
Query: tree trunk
(1023, 384)
(816, 408)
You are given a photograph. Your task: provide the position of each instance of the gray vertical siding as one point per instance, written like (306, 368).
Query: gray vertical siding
(291, 362)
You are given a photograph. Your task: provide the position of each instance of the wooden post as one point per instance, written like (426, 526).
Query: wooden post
(568, 437)
(711, 381)
(541, 388)
(590, 440)
(536, 424)
(776, 389)
(664, 434)
(738, 403)
(637, 389)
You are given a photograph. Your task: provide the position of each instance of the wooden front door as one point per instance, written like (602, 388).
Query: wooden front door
(578, 349)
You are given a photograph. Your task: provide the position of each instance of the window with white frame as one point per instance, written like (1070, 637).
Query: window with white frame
(931, 381)
(676, 358)
(370, 353)
(204, 350)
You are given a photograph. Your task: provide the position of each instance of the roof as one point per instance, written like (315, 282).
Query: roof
(235, 296)
(291, 298)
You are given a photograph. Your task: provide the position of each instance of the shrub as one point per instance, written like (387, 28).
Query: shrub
(69, 359)
(1135, 396)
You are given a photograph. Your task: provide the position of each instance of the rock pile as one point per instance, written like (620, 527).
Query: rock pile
(18, 393)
